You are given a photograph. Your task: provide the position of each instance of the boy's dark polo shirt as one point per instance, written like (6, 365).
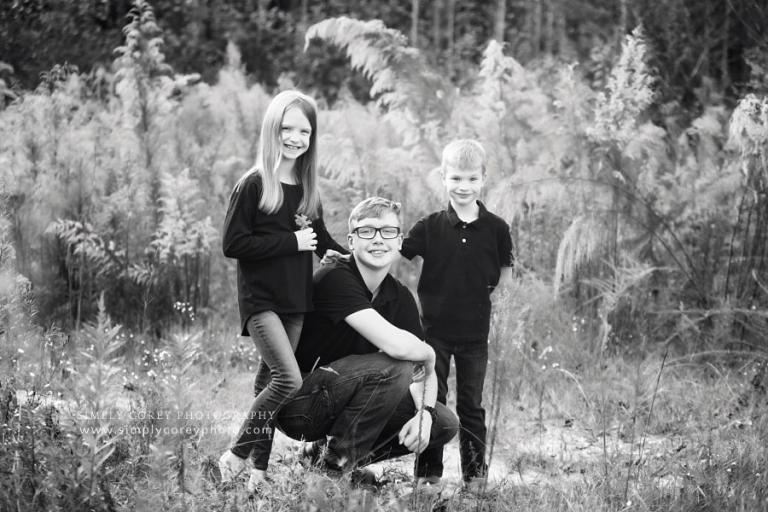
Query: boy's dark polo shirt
(462, 266)
(339, 291)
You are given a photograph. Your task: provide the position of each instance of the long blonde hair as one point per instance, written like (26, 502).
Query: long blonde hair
(270, 154)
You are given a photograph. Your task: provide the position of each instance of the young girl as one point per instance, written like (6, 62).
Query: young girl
(273, 224)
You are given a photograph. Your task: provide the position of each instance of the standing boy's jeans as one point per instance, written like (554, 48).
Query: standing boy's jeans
(277, 380)
(351, 400)
(471, 358)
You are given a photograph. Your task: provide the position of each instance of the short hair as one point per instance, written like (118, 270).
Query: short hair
(464, 154)
(373, 208)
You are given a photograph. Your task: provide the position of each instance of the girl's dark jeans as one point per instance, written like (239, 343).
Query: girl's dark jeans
(277, 381)
(471, 358)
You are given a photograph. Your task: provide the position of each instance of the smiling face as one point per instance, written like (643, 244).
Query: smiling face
(376, 253)
(463, 184)
(295, 133)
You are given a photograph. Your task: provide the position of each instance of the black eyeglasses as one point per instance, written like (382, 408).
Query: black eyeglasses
(368, 232)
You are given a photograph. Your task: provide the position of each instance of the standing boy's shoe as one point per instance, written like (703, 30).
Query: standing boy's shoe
(230, 465)
(429, 485)
(258, 482)
(479, 485)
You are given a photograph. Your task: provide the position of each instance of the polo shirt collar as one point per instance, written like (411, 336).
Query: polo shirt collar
(387, 289)
(455, 220)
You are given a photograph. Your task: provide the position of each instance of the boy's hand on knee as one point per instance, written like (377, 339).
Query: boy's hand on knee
(416, 432)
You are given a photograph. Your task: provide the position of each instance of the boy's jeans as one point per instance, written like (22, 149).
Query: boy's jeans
(277, 380)
(471, 358)
(444, 428)
(350, 400)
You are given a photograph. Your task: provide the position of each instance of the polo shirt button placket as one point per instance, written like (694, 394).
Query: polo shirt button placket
(463, 236)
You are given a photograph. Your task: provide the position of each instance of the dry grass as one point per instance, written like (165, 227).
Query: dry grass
(573, 429)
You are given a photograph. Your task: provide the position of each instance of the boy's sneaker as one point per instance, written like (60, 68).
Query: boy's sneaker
(359, 478)
(230, 465)
(311, 453)
(428, 480)
(479, 485)
(364, 479)
(429, 485)
(258, 482)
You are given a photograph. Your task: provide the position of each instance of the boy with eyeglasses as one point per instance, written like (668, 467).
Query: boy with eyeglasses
(466, 251)
(359, 401)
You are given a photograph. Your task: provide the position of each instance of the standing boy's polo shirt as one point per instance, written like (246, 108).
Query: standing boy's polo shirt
(339, 291)
(462, 266)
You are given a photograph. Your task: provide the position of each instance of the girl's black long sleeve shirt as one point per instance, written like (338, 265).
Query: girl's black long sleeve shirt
(272, 274)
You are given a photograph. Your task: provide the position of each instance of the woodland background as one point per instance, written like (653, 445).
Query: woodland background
(627, 144)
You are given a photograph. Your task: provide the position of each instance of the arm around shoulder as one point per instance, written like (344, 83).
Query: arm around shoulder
(414, 244)
(325, 241)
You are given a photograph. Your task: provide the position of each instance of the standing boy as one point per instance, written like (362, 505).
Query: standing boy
(466, 250)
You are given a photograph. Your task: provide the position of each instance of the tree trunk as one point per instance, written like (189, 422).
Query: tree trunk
(303, 24)
(14, 204)
(449, 34)
(622, 20)
(437, 8)
(211, 27)
(415, 23)
(536, 35)
(499, 25)
(705, 50)
(560, 34)
(725, 76)
(549, 28)
(262, 13)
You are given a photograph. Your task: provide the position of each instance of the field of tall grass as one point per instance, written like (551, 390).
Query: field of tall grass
(86, 424)
(628, 356)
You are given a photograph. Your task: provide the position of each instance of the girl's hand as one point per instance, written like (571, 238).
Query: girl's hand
(307, 239)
